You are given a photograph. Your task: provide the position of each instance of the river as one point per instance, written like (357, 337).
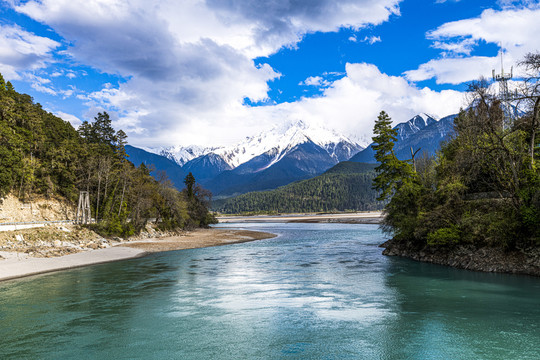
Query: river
(317, 291)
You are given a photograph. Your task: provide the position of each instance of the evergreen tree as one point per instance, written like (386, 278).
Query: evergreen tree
(391, 172)
(190, 183)
(43, 155)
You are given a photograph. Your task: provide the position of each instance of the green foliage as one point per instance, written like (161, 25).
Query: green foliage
(444, 236)
(483, 188)
(41, 154)
(345, 187)
(391, 172)
(190, 182)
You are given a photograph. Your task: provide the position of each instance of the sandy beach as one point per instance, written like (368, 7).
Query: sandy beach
(16, 265)
(369, 217)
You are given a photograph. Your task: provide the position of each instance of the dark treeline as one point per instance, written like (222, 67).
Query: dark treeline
(43, 155)
(347, 186)
(483, 188)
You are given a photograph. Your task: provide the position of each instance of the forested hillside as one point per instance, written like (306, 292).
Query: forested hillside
(346, 186)
(42, 155)
(482, 189)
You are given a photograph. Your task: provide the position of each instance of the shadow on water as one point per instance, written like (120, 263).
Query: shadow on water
(101, 298)
(472, 314)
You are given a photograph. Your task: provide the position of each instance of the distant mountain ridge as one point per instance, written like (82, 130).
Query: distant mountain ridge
(156, 163)
(286, 153)
(291, 152)
(422, 132)
(411, 127)
(277, 140)
(182, 154)
(346, 186)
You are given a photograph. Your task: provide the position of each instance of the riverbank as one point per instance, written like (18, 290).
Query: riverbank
(369, 217)
(17, 265)
(198, 239)
(469, 257)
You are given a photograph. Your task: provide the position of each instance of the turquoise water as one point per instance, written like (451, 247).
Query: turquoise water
(318, 291)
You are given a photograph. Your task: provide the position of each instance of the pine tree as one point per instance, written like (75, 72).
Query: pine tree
(391, 172)
(190, 182)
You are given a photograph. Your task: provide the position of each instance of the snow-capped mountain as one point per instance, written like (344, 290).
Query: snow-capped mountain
(289, 152)
(278, 140)
(417, 123)
(423, 133)
(281, 139)
(286, 153)
(182, 154)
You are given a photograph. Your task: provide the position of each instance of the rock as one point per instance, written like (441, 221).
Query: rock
(104, 245)
(57, 243)
(489, 259)
(92, 245)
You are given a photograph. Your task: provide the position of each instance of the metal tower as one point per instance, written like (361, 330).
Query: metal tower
(83, 210)
(504, 95)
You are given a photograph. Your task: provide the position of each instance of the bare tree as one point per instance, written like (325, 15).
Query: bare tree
(530, 96)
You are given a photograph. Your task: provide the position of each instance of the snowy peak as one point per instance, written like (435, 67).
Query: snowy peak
(414, 125)
(283, 138)
(181, 155)
(273, 144)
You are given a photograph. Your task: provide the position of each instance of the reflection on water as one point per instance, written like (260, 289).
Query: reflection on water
(316, 291)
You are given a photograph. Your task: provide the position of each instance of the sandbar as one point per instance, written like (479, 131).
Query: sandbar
(19, 265)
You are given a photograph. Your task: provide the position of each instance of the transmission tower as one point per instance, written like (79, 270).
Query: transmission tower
(83, 210)
(504, 94)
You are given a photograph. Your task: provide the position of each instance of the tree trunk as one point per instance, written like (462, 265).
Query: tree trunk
(122, 198)
(535, 116)
(98, 193)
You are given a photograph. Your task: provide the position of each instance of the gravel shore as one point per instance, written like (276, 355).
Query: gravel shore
(16, 265)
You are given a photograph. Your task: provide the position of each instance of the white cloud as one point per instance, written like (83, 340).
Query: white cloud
(455, 70)
(38, 83)
(372, 39)
(189, 64)
(43, 89)
(72, 119)
(444, 1)
(352, 103)
(464, 47)
(514, 29)
(21, 51)
(315, 81)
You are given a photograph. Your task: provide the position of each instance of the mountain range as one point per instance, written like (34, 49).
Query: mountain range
(286, 153)
(422, 133)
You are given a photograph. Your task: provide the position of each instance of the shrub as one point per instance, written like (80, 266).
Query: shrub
(444, 236)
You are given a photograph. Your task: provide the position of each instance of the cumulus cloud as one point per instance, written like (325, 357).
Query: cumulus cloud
(352, 103)
(189, 65)
(72, 119)
(21, 51)
(515, 29)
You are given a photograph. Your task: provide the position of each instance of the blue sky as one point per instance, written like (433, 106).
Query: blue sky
(210, 72)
